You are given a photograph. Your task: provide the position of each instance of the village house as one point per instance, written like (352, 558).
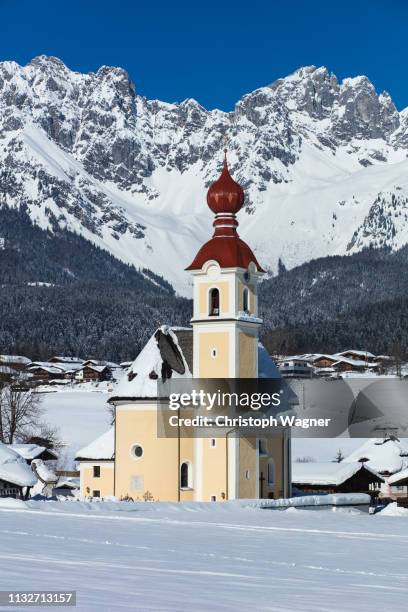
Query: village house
(333, 477)
(65, 359)
(327, 365)
(8, 374)
(16, 477)
(386, 456)
(97, 466)
(356, 355)
(91, 373)
(47, 370)
(29, 452)
(223, 342)
(16, 362)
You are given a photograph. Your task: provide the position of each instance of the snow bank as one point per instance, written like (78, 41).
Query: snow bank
(333, 499)
(11, 503)
(394, 510)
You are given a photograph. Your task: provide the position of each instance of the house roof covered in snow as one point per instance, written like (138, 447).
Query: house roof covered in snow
(400, 478)
(384, 455)
(101, 449)
(362, 354)
(65, 359)
(171, 348)
(95, 368)
(97, 362)
(32, 451)
(20, 359)
(328, 473)
(13, 468)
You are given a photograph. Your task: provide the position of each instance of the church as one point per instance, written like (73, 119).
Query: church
(131, 461)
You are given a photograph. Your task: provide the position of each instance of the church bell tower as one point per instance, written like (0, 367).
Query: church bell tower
(226, 275)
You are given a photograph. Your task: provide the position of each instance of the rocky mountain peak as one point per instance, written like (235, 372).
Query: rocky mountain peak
(88, 152)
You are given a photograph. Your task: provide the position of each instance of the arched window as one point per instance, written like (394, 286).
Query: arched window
(214, 309)
(245, 300)
(186, 480)
(271, 472)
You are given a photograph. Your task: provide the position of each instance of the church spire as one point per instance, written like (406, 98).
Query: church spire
(225, 198)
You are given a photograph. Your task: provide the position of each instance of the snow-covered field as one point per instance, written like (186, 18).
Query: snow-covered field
(205, 556)
(80, 414)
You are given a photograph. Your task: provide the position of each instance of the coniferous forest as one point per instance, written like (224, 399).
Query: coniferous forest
(61, 294)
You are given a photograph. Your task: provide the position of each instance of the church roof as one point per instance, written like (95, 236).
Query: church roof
(171, 347)
(228, 251)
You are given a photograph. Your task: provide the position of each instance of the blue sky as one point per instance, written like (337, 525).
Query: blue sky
(214, 51)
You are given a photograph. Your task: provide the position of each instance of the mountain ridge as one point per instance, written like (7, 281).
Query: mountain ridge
(324, 164)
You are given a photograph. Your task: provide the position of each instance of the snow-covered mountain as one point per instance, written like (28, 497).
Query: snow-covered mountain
(324, 164)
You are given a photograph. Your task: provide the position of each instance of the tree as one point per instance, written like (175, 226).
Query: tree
(43, 435)
(305, 459)
(339, 457)
(20, 412)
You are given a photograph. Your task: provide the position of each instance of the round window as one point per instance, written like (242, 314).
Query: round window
(136, 451)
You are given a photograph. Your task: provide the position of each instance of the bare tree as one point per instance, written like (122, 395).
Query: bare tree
(20, 412)
(44, 435)
(339, 456)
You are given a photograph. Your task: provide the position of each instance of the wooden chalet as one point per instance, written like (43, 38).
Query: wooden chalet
(335, 478)
(16, 362)
(92, 372)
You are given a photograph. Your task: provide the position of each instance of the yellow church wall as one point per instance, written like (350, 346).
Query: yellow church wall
(90, 483)
(203, 297)
(214, 462)
(248, 346)
(247, 483)
(275, 447)
(187, 454)
(218, 366)
(156, 472)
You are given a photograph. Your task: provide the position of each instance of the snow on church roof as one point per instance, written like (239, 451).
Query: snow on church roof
(14, 469)
(103, 448)
(384, 455)
(327, 473)
(140, 380)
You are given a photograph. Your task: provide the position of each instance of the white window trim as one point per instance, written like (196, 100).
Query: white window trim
(132, 453)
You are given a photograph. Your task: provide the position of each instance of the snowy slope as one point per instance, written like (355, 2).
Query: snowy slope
(163, 557)
(324, 164)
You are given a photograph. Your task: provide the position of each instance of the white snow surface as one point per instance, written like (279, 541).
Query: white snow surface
(80, 413)
(329, 473)
(14, 469)
(196, 557)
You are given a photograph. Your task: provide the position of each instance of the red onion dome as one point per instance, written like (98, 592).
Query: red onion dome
(225, 195)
